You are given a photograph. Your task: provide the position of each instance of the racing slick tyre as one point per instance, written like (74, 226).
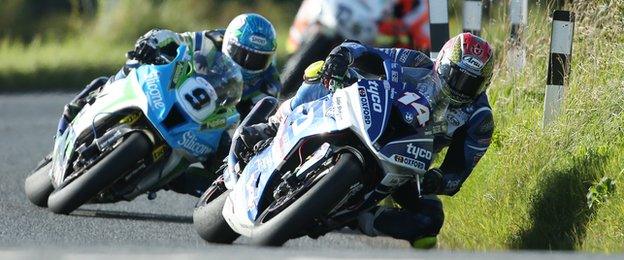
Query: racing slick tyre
(209, 222)
(316, 202)
(38, 184)
(103, 174)
(317, 48)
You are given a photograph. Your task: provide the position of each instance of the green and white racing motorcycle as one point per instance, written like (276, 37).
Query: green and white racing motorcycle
(136, 134)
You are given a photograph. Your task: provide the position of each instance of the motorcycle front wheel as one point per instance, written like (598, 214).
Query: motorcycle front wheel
(103, 174)
(316, 202)
(209, 222)
(38, 184)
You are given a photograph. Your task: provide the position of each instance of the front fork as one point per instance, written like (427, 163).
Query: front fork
(259, 114)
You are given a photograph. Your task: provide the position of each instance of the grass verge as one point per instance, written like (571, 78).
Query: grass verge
(530, 190)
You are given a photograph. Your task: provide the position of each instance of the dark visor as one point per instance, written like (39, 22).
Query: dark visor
(462, 82)
(249, 60)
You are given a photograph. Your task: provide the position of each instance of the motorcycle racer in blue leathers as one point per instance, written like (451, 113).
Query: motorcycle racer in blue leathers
(249, 40)
(455, 84)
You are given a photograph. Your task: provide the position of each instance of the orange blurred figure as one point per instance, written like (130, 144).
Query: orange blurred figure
(407, 26)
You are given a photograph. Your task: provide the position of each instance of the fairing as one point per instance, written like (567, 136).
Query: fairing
(363, 108)
(154, 90)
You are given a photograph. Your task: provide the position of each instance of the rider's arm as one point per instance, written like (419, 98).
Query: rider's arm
(371, 58)
(164, 40)
(466, 149)
(216, 36)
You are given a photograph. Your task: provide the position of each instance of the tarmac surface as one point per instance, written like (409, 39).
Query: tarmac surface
(161, 228)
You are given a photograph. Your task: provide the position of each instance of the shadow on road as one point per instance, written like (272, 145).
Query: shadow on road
(560, 213)
(132, 216)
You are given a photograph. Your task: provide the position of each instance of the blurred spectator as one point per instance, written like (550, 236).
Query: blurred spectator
(406, 26)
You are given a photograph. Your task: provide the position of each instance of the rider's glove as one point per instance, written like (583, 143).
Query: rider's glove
(145, 51)
(335, 68)
(432, 182)
(154, 45)
(252, 135)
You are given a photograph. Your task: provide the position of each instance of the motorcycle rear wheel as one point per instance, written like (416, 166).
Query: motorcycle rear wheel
(316, 202)
(103, 174)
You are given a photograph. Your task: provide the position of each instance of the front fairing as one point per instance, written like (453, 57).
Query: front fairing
(154, 90)
(167, 111)
(315, 118)
(363, 108)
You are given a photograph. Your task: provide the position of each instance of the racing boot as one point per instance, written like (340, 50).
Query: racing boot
(417, 226)
(194, 181)
(71, 110)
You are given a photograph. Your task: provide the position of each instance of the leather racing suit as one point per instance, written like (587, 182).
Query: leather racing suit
(256, 86)
(466, 130)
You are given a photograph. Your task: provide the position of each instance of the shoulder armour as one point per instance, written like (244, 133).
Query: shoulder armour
(216, 36)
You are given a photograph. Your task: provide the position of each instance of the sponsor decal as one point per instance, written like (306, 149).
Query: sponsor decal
(256, 39)
(251, 190)
(404, 56)
(473, 62)
(159, 152)
(339, 105)
(395, 76)
(477, 50)
(373, 92)
(409, 161)
(153, 91)
(365, 108)
(362, 92)
(189, 141)
(182, 68)
(409, 118)
(418, 152)
(216, 123)
(329, 112)
(453, 120)
(373, 89)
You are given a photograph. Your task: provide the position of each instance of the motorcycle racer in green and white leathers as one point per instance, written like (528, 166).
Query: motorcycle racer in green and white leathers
(249, 40)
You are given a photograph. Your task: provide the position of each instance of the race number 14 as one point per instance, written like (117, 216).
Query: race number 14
(422, 111)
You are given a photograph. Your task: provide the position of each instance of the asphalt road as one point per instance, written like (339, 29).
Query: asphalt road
(140, 227)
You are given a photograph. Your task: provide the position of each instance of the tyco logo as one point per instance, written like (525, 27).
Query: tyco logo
(373, 89)
(418, 152)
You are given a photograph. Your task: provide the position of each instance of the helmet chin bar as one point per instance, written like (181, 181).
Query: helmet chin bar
(454, 99)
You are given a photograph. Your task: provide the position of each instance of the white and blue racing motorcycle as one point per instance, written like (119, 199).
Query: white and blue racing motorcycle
(330, 160)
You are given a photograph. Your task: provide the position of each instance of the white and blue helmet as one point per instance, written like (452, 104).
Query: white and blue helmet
(250, 40)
